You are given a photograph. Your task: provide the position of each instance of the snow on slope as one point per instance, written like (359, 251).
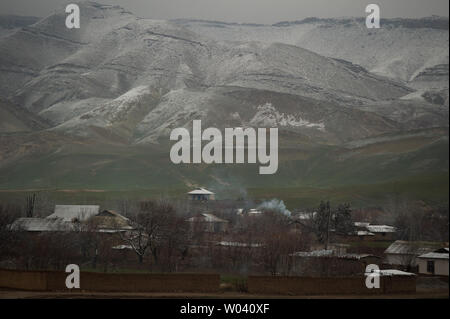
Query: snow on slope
(138, 78)
(268, 116)
(120, 114)
(178, 108)
(400, 49)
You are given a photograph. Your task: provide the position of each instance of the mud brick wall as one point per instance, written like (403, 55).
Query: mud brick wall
(278, 285)
(89, 281)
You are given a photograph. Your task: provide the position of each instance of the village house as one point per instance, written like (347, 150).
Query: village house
(382, 232)
(111, 221)
(248, 212)
(404, 253)
(206, 222)
(39, 225)
(75, 218)
(74, 213)
(434, 263)
(201, 194)
(364, 231)
(331, 262)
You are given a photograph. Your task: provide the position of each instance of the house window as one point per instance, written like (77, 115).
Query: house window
(430, 266)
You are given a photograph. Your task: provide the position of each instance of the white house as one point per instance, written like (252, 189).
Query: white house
(201, 194)
(71, 213)
(405, 253)
(71, 217)
(434, 263)
(208, 223)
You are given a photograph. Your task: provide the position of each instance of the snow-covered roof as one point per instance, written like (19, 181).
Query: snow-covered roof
(122, 247)
(70, 213)
(112, 221)
(330, 253)
(364, 233)
(361, 224)
(357, 256)
(306, 216)
(41, 225)
(237, 244)
(200, 191)
(380, 229)
(206, 217)
(392, 272)
(403, 247)
(434, 255)
(314, 253)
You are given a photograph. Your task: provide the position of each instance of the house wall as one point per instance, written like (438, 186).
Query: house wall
(440, 266)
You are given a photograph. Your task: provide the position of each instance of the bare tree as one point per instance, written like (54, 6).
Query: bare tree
(150, 223)
(30, 202)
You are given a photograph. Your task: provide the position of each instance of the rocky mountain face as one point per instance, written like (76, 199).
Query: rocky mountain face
(128, 81)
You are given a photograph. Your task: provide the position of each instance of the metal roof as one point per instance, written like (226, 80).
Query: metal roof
(200, 191)
(380, 229)
(331, 253)
(364, 233)
(402, 247)
(41, 225)
(305, 216)
(237, 244)
(361, 224)
(314, 253)
(254, 212)
(434, 255)
(205, 217)
(70, 213)
(391, 272)
(112, 221)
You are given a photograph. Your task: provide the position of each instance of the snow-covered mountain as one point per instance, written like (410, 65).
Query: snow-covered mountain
(118, 71)
(401, 48)
(120, 79)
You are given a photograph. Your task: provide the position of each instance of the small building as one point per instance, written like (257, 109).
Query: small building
(405, 253)
(364, 231)
(109, 221)
(382, 232)
(206, 222)
(434, 263)
(39, 225)
(201, 194)
(329, 262)
(75, 218)
(74, 213)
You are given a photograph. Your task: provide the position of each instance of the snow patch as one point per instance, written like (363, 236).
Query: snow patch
(268, 115)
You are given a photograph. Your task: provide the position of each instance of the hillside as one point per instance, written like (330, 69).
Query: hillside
(93, 108)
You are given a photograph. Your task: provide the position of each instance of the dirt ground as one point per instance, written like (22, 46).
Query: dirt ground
(426, 288)
(15, 294)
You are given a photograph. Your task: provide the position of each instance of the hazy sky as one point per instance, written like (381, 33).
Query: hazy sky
(258, 11)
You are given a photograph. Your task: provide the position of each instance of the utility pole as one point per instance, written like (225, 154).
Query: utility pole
(328, 225)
